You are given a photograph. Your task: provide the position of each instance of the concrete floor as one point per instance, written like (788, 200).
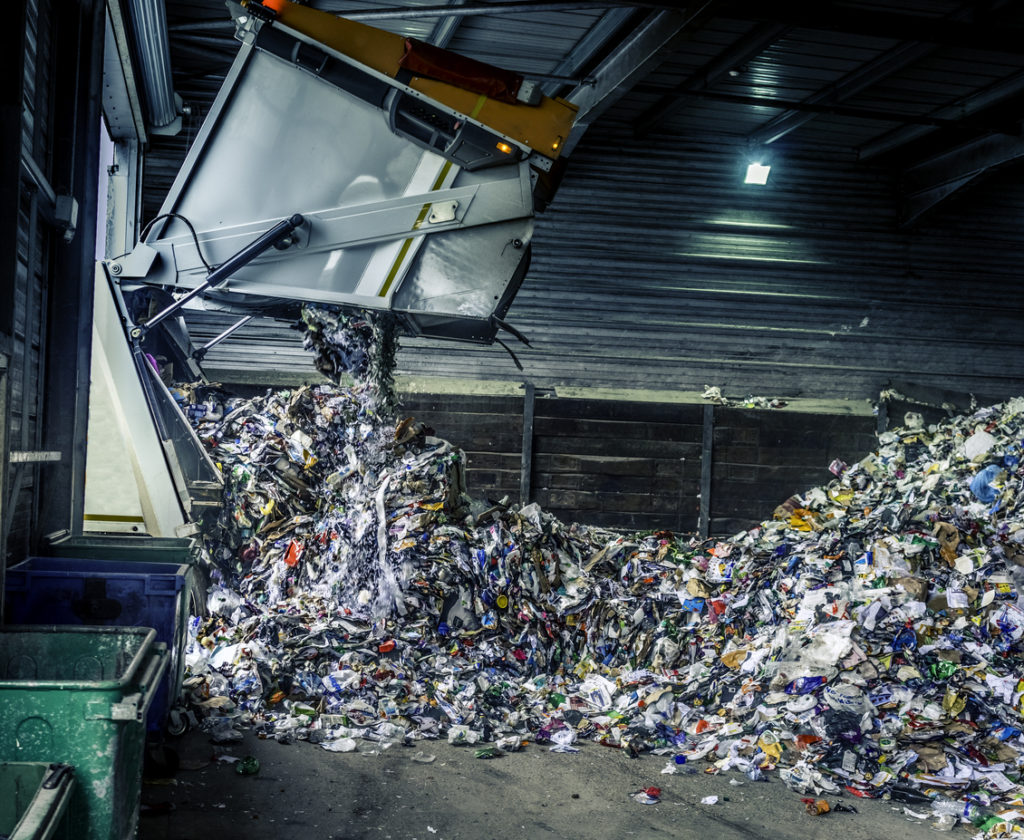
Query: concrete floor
(303, 791)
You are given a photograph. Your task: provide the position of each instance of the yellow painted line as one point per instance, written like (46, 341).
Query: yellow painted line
(438, 181)
(441, 176)
(478, 107)
(394, 268)
(421, 217)
(109, 517)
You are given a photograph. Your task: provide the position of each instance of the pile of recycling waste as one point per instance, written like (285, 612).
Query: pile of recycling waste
(865, 641)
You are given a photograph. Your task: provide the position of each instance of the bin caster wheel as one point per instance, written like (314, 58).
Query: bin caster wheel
(177, 723)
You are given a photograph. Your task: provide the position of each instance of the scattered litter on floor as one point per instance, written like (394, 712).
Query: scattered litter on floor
(647, 796)
(248, 766)
(419, 757)
(865, 641)
(816, 807)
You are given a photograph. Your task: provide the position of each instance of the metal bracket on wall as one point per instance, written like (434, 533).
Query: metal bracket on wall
(61, 211)
(36, 457)
(526, 469)
(704, 522)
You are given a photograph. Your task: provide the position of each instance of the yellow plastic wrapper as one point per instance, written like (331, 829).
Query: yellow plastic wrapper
(734, 658)
(953, 703)
(802, 520)
(770, 746)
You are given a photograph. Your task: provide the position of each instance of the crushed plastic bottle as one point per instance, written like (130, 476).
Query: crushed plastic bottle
(247, 766)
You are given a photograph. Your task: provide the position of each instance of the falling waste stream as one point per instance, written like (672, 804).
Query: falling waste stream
(864, 642)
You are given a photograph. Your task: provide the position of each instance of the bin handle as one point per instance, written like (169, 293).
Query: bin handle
(57, 774)
(133, 707)
(151, 676)
(46, 808)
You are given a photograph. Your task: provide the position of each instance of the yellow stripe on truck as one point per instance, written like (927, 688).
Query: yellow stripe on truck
(393, 273)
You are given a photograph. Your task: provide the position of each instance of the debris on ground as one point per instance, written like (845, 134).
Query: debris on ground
(866, 641)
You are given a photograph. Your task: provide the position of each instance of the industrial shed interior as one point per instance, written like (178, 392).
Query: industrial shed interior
(734, 248)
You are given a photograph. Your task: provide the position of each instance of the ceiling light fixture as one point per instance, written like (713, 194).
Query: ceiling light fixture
(757, 173)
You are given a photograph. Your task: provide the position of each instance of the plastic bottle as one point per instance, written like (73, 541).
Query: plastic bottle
(248, 766)
(902, 793)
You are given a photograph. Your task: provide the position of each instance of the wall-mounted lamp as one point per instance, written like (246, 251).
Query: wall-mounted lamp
(757, 173)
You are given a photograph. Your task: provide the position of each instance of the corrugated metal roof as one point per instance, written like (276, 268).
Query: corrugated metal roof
(824, 62)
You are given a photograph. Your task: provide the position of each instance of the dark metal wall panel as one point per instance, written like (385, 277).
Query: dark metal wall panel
(488, 429)
(761, 458)
(637, 466)
(78, 78)
(29, 264)
(630, 465)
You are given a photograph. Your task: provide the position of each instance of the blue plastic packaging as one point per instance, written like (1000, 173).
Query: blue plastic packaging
(981, 484)
(805, 685)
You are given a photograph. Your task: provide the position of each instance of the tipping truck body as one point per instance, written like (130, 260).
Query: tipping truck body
(398, 176)
(339, 164)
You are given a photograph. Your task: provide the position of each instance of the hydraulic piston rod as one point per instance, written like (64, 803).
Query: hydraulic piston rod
(223, 272)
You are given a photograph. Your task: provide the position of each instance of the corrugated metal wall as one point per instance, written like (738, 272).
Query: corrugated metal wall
(49, 142)
(656, 268)
(23, 338)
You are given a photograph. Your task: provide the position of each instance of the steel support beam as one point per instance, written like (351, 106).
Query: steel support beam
(526, 465)
(78, 81)
(851, 84)
(638, 55)
(930, 182)
(847, 110)
(124, 198)
(957, 112)
(520, 7)
(597, 36)
(444, 30)
(918, 43)
(459, 10)
(739, 53)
